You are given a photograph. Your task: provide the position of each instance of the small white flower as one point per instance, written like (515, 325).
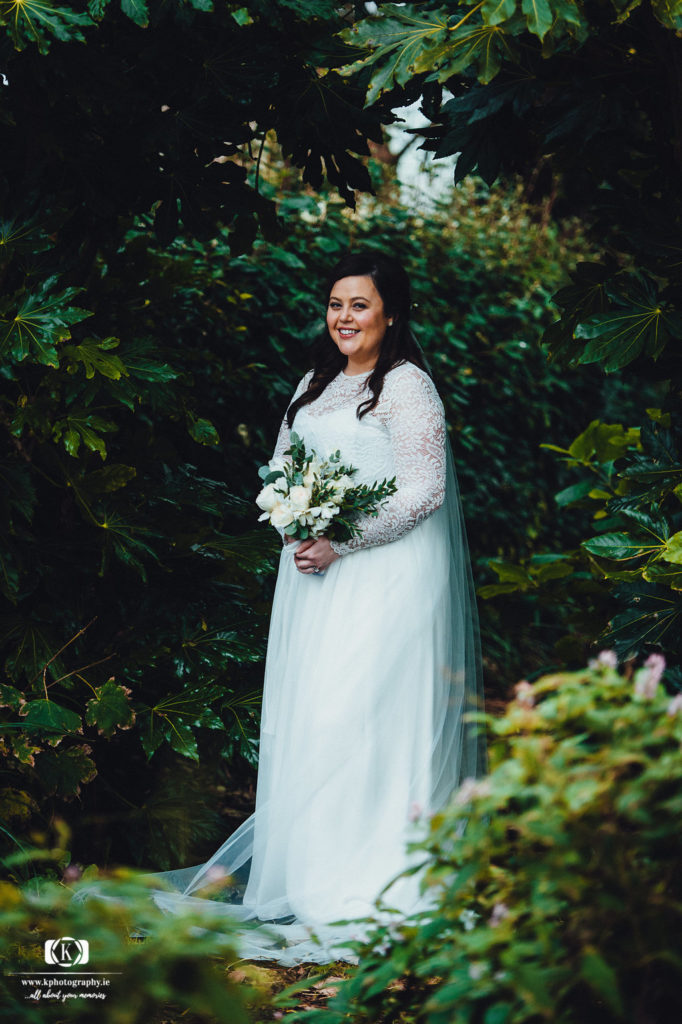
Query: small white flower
(476, 971)
(329, 510)
(468, 919)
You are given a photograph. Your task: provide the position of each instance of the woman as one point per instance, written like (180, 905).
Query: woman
(372, 653)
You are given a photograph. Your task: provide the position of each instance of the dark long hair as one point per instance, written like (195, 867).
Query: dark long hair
(398, 345)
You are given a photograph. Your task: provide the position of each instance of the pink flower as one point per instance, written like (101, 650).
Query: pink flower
(215, 873)
(415, 811)
(524, 694)
(648, 677)
(675, 704)
(607, 659)
(470, 789)
(500, 911)
(656, 665)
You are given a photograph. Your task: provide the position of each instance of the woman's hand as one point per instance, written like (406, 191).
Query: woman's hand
(314, 554)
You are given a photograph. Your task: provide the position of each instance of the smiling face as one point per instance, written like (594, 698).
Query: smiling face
(357, 321)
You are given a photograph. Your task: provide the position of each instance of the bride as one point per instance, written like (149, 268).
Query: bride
(372, 655)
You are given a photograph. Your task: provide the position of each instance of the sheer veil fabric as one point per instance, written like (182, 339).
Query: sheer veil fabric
(370, 669)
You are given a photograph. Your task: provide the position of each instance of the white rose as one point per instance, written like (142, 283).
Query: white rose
(281, 515)
(300, 498)
(269, 497)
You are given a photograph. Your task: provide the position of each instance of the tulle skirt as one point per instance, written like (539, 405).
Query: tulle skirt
(360, 715)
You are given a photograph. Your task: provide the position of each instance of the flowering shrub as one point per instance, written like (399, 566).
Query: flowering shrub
(562, 900)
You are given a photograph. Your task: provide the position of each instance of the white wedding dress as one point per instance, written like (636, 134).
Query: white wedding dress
(370, 666)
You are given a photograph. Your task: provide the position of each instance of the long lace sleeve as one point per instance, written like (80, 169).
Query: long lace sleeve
(415, 419)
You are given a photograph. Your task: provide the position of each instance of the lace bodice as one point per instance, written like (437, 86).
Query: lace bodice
(403, 436)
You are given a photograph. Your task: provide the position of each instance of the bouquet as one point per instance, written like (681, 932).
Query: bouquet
(307, 496)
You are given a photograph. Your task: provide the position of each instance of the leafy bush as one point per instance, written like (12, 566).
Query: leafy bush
(181, 965)
(562, 900)
(569, 97)
(630, 480)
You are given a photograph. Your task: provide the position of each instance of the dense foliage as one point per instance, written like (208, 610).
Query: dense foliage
(140, 602)
(181, 966)
(561, 900)
(132, 616)
(582, 100)
(146, 364)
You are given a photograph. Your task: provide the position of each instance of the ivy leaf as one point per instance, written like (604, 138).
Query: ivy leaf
(110, 709)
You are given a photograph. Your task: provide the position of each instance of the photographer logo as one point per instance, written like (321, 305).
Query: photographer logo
(67, 952)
